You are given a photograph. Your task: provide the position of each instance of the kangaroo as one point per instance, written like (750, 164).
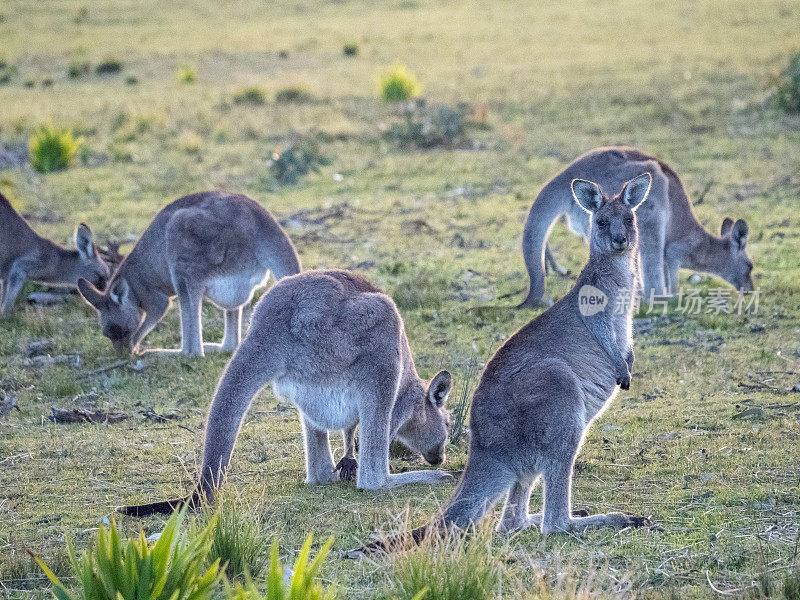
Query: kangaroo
(336, 347)
(25, 255)
(543, 388)
(671, 236)
(214, 245)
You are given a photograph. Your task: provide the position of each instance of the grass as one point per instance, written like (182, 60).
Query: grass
(399, 84)
(239, 542)
(447, 567)
(441, 230)
(52, 148)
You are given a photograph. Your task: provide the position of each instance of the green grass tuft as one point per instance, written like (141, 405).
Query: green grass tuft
(52, 148)
(238, 542)
(187, 74)
(453, 566)
(301, 585)
(168, 569)
(399, 85)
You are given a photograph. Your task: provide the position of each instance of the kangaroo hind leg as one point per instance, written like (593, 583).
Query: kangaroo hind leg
(319, 461)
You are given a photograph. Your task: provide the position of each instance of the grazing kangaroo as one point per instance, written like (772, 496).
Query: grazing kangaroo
(212, 244)
(336, 347)
(671, 237)
(25, 255)
(543, 388)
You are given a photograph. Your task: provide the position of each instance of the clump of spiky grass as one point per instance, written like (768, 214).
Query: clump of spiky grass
(52, 148)
(399, 84)
(301, 585)
(187, 74)
(460, 405)
(449, 565)
(238, 540)
(169, 569)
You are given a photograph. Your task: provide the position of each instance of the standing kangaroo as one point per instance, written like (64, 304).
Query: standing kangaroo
(25, 255)
(671, 237)
(212, 244)
(541, 391)
(336, 347)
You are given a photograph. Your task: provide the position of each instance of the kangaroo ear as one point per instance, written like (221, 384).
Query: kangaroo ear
(90, 293)
(83, 241)
(439, 388)
(636, 190)
(119, 291)
(739, 233)
(727, 223)
(587, 195)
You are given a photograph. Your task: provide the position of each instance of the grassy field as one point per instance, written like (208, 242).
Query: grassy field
(439, 230)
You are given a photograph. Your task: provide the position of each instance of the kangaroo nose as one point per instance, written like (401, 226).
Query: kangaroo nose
(619, 242)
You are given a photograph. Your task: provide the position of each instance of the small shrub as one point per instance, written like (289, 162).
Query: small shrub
(302, 585)
(78, 69)
(131, 80)
(47, 82)
(785, 86)
(238, 542)
(301, 158)
(293, 94)
(82, 14)
(169, 569)
(426, 127)
(187, 75)
(29, 83)
(7, 72)
(452, 566)
(250, 95)
(350, 49)
(52, 148)
(108, 67)
(283, 54)
(399, 85)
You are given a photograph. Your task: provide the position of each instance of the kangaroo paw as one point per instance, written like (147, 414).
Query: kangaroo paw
(347, 468)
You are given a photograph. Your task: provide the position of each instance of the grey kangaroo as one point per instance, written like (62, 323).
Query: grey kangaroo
(212, 244)
(541, 391)
(336, 347)
(671, 237)
(25, 255)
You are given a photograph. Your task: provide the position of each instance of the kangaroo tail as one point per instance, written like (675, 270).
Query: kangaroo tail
(164, 507)
(251, 367)
(545, 211)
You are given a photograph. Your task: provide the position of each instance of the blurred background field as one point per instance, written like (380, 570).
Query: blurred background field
(282, 101)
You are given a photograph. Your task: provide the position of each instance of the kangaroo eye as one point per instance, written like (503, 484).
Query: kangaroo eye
(602, 223)
(629, 220)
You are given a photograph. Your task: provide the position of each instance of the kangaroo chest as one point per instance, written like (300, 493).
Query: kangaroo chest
(326, 406)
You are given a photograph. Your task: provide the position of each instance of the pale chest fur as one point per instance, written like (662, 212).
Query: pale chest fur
(329, 406)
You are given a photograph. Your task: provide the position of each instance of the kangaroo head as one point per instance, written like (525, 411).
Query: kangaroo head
(613, 220)
(426, 431)
(120, 316)
(91, 266)
(737, 268)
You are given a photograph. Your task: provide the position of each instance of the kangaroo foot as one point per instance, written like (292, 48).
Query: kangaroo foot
(347, 468)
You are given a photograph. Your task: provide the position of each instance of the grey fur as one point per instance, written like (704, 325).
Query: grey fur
(212, 244)
(335, 346)
(25, 255)
(671, 237)
(545, 386)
